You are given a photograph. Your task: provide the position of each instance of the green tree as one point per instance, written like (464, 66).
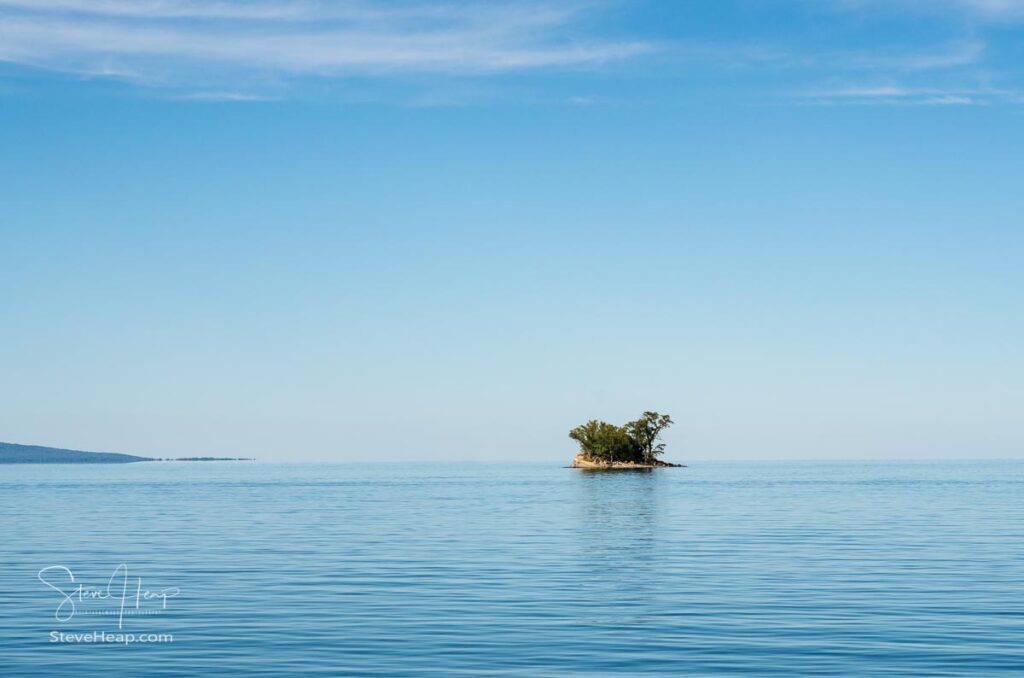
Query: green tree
(606, 442)
(586, 435)
(645, 433)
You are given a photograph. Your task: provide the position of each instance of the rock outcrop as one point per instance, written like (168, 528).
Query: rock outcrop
(586, 462)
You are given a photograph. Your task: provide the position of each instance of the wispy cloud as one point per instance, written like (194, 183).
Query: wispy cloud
(223, 95)
(951, 55)
(970, 67)
(191, 43)
(993, 10)
(434, 52)
(899, 95)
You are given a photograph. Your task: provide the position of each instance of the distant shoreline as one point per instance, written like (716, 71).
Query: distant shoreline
(11, 453)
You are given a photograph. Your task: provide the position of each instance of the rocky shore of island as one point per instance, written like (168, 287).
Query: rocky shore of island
(587, 462)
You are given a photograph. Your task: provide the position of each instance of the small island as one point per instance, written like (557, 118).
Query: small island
(635, 445)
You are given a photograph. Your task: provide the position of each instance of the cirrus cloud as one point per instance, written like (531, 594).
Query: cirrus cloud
(184, 42)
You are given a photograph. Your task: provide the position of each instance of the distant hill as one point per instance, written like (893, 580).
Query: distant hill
(33, 454)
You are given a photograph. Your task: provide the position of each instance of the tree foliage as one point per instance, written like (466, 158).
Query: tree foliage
(636, 441)
(646, 431)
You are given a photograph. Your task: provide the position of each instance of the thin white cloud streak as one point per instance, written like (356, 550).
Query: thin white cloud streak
(223, 96)
(994, 9)
(183, 9)
(910, 96)
(365, 11)
(959, 54)
(890, 59)
(161, 9)
(175, 41)
(984, 10)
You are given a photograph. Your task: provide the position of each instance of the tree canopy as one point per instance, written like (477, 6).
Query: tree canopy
(636, 441)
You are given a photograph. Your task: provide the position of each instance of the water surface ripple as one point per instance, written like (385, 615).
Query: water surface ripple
(720, 569)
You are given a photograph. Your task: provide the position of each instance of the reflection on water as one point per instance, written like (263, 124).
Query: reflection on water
(617, 517)
(617, 507)
(778, 569)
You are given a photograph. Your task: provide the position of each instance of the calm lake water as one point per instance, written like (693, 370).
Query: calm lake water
(720, 569)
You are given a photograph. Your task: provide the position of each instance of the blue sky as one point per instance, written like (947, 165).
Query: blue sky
(453, 230)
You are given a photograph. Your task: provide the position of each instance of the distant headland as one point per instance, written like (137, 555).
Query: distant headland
(11, 453)
(632, 446)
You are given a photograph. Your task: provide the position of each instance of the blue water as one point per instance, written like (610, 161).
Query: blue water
(789, 569)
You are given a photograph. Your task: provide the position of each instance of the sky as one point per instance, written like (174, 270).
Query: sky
(451, 231)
